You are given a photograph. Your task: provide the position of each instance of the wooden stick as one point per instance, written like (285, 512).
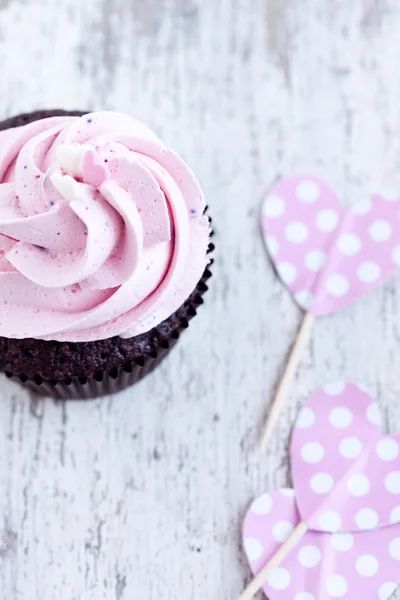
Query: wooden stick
(291, 367)
(274, 562)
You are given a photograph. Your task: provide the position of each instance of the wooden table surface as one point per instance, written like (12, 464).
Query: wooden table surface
(142, 495)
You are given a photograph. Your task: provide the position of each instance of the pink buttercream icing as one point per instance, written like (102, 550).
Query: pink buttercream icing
(102, 230)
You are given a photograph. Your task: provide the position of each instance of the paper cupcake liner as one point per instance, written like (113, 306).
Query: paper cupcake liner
(103, 383)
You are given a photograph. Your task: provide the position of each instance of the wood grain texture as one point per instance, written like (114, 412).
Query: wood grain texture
(142, 495)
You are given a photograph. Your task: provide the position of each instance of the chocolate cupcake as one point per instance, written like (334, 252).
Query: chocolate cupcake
(104, 251)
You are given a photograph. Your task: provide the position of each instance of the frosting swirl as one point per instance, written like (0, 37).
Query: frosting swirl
(102, 230)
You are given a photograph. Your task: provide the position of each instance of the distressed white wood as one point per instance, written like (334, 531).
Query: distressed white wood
(142, 495)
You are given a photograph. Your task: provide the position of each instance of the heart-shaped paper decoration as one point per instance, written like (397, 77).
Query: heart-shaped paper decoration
(327, 256)
(345, 473)
(346, 477)
(322, 566)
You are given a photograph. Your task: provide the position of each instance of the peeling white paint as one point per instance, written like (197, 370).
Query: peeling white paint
(142, 495)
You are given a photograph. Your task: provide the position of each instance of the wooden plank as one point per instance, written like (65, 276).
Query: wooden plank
(142, 495)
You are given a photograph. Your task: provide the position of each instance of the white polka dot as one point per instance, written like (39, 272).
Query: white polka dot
(304, 298)
(288, 493)
(374, 414)
(312, 453)
(304, 596)
(279, 579)
(337, 285)
(342, 542)
(282, 530)
(366, 519)
(392, 483)
(287, 272)
(395, 515)
(367, 565)
(327, 220)
(335, 389)
(380, 230)
(350, 447)
(396, 255)
(309, 557)
(296, 232)
(387, 449)
(263, 505)
(330, 521)
(368, 271)
(349, 244)
(340, 417)
(322, 483)
(272, 245)
(389, 193)
(307, 191)
(394, 549)
(336, 586)
(253, 548)
(358, 485)
(274, 206)
(315, 260)
(387, 590)
(306, 418)
(363, 207)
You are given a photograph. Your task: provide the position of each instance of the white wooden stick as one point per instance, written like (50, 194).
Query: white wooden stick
(274, 562)
(284, 385)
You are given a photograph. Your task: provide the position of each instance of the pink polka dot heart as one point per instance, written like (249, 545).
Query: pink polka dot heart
(346, 477)
(322, 566)
(329, 257)
(346, 474)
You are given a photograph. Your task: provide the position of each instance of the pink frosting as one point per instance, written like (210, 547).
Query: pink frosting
(102, 230)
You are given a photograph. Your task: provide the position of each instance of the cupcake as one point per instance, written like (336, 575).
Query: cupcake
(104, 251)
